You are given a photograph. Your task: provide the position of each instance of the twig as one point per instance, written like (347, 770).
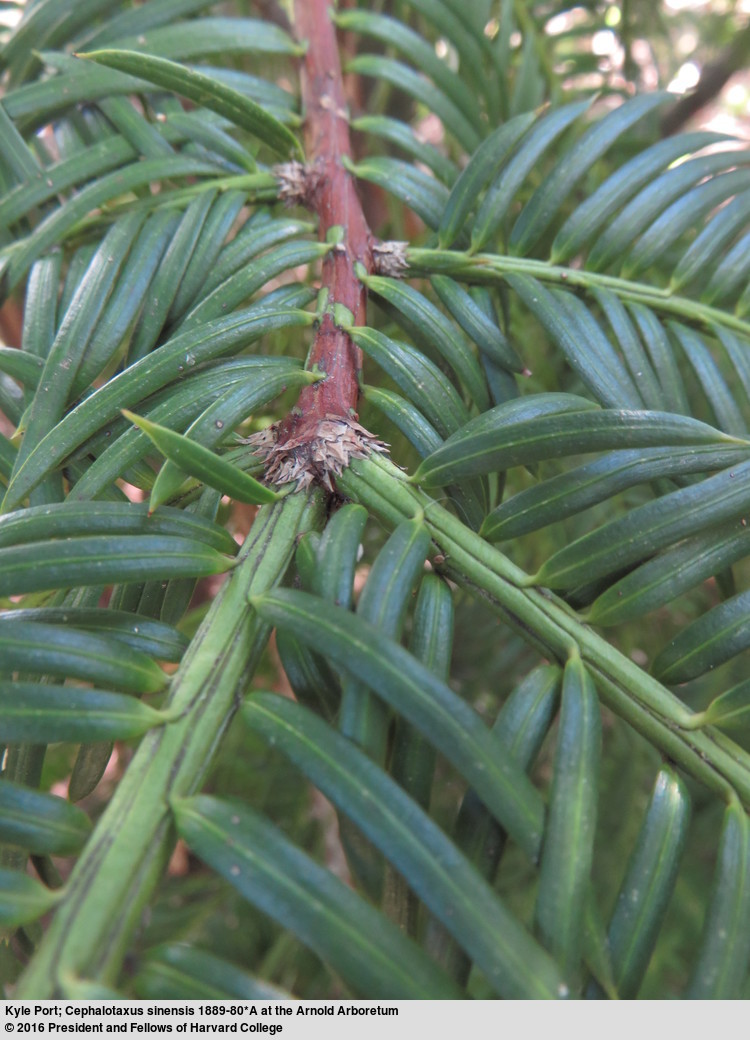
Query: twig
(334, 199)
(321, 434)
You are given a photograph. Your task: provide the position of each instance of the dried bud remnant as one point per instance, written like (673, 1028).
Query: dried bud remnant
(297, 183)
(389, 258)
(314, 453)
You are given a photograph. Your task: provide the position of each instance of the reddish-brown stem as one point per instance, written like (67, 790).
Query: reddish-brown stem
(337, 205)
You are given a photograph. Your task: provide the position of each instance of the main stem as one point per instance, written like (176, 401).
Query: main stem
(334, 199)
